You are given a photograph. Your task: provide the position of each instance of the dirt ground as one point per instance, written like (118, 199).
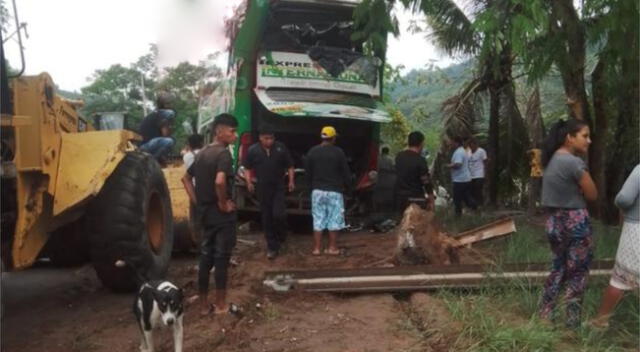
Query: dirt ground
(84, 316)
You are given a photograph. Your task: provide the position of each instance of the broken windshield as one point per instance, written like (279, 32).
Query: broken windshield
(297, 28)
(323, 32)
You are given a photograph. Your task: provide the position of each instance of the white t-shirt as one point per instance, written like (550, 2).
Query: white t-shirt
(189, 157)
(476, 163)
(461, 174)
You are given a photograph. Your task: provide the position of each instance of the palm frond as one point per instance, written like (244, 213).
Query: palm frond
(451, 29)
(460, 110)
(460, 113)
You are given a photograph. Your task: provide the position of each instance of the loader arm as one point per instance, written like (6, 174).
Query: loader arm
(57, 165)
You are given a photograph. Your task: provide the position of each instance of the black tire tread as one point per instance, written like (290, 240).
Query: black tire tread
(116, 224)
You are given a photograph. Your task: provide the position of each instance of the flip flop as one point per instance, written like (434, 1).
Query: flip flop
(600, 324)
(332, 252)
(233, 310)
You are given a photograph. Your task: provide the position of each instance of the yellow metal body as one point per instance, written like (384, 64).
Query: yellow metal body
(185, 236)
(179, 197)
(59, 161)
(86, 160)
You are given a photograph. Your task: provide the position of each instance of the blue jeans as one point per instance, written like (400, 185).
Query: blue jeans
(159, 147)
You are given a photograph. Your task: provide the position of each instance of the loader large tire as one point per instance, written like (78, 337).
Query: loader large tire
(130, 223)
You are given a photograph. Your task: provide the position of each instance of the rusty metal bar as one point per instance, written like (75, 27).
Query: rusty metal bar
(414, 278)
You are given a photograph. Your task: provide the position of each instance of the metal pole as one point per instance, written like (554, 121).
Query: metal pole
(144, 96)
(19, 27)
(408, 279)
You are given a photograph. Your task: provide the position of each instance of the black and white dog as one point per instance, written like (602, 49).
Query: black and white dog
(158, 303)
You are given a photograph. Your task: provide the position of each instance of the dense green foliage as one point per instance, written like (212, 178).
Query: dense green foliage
(583, 58)
(131, 89)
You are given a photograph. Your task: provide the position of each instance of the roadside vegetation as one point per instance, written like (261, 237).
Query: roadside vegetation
(505, 318)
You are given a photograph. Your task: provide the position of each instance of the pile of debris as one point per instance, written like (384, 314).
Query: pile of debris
(421, 240)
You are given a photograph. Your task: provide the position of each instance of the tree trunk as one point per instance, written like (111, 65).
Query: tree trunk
(514, 146)
(566, 23)
(625, 150)
(494, 144)
(535, 128)
(599, 134)
(533, 119)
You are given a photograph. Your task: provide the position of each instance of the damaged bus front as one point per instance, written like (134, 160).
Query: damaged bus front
(293, 68)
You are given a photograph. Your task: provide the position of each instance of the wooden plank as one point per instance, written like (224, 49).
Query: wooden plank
(498, 228)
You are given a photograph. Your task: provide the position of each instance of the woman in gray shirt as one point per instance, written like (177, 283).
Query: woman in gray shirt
(626, 271)
(566, 186)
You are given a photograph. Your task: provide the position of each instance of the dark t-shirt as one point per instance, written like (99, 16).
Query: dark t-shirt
(327, 169)
(151, 125)
(269, 168)
(209, 161)
(410, 169)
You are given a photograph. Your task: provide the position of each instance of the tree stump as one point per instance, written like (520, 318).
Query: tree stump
(420, 240)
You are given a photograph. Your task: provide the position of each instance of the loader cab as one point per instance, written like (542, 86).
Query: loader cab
(116, 120)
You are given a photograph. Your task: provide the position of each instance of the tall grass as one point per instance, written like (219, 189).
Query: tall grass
(487, 328)
(505, 318)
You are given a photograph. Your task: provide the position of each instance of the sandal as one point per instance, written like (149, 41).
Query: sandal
(316, 252)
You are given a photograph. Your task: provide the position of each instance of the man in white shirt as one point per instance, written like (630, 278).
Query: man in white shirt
(477, 167)
(195, 142)
(460, 176)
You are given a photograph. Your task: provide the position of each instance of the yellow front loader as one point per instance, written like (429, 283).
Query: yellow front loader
(78, 193)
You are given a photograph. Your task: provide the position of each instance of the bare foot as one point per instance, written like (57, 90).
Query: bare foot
(206, 310)
(222, 310)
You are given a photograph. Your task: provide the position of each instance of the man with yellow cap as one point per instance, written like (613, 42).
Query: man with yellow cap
(328, 175)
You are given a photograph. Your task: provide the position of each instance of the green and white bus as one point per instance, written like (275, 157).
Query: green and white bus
(293, 67)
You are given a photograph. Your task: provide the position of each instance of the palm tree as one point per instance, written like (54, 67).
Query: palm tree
(481, 33)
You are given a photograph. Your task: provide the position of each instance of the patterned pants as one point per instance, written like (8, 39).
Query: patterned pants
(570, 237)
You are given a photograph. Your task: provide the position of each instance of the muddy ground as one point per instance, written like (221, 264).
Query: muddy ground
(50, 309)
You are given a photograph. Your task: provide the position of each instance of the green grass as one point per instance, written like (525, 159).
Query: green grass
(529, 244)
(271, 313)
(504, 319)
(484, 331)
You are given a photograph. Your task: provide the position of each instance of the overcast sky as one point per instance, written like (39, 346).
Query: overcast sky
(70, 39)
